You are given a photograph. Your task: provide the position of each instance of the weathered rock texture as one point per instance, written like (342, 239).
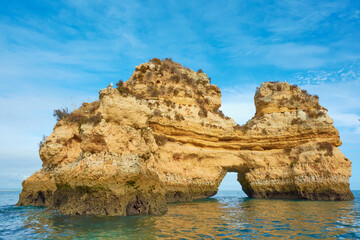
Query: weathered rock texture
(159, 137)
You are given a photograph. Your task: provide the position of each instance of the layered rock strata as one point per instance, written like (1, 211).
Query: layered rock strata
(160, 137)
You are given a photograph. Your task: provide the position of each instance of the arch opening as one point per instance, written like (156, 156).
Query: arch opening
(230, 186)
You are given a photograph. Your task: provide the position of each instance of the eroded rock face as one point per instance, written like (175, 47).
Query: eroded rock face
(160, 137)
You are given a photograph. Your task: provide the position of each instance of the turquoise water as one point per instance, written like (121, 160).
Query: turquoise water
(228, 215)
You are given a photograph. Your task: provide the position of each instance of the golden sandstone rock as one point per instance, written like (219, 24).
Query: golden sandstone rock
(160, 137)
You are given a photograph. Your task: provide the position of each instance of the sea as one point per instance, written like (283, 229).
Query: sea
(227, 215)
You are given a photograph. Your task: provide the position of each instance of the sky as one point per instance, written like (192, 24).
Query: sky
(57, 54)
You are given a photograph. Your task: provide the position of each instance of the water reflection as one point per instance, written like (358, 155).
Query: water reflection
(255, 218)
(227, 216)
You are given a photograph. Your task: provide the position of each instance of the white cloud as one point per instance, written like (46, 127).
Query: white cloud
(296, 56)
(346, 119)
(338, 97)
(301, 16)
(343, 73)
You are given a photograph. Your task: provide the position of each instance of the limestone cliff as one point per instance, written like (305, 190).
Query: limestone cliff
(160, 137)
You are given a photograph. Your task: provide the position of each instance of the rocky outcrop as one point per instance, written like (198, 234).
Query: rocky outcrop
(160, 137)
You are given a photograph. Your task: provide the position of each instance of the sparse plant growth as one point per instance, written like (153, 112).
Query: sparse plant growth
(174, 70)
(214, 88)
(287, 149)
(303, 100)
(211, 126)
(306, 93)
(321, 113)
(120, 87)
(188, 94)
(297, 121)
(160, 140)
(120, 84)
(139, 96)
(188, 80)
(237, 127)
(143, 69)
(200, 71)
(293, 86)
(220, 113)
(170, 65)
(295, 99)
(154, 92)
(283, 101)
(326, 146)
(155, 61)
(148, 75)
(292, 164)
(157, 112)
(170, 89)
(61, 113)
(200, 102)
(167, 103)
(202, 112)
(42, 141)
(138, 76)
(76, 116)
(175, 78)
(179, 117)
(274, 86)
(176, 92)
(246, 127)
(96, 119)
(315, 114)
(162, 90)
(311, 114)
(91, 107)
(81, 118)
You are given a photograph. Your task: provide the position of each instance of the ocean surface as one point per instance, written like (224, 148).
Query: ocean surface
(228, 215)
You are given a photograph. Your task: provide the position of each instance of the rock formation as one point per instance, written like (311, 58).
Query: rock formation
(160, 137)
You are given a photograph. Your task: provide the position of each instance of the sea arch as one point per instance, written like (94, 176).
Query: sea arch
(160, 137)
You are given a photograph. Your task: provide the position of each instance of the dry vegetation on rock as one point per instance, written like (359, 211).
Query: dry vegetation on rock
(160, 137)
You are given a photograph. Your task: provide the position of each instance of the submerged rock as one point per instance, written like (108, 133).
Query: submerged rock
(160, 137)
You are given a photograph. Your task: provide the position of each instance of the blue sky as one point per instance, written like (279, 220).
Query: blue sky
(60, 53)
